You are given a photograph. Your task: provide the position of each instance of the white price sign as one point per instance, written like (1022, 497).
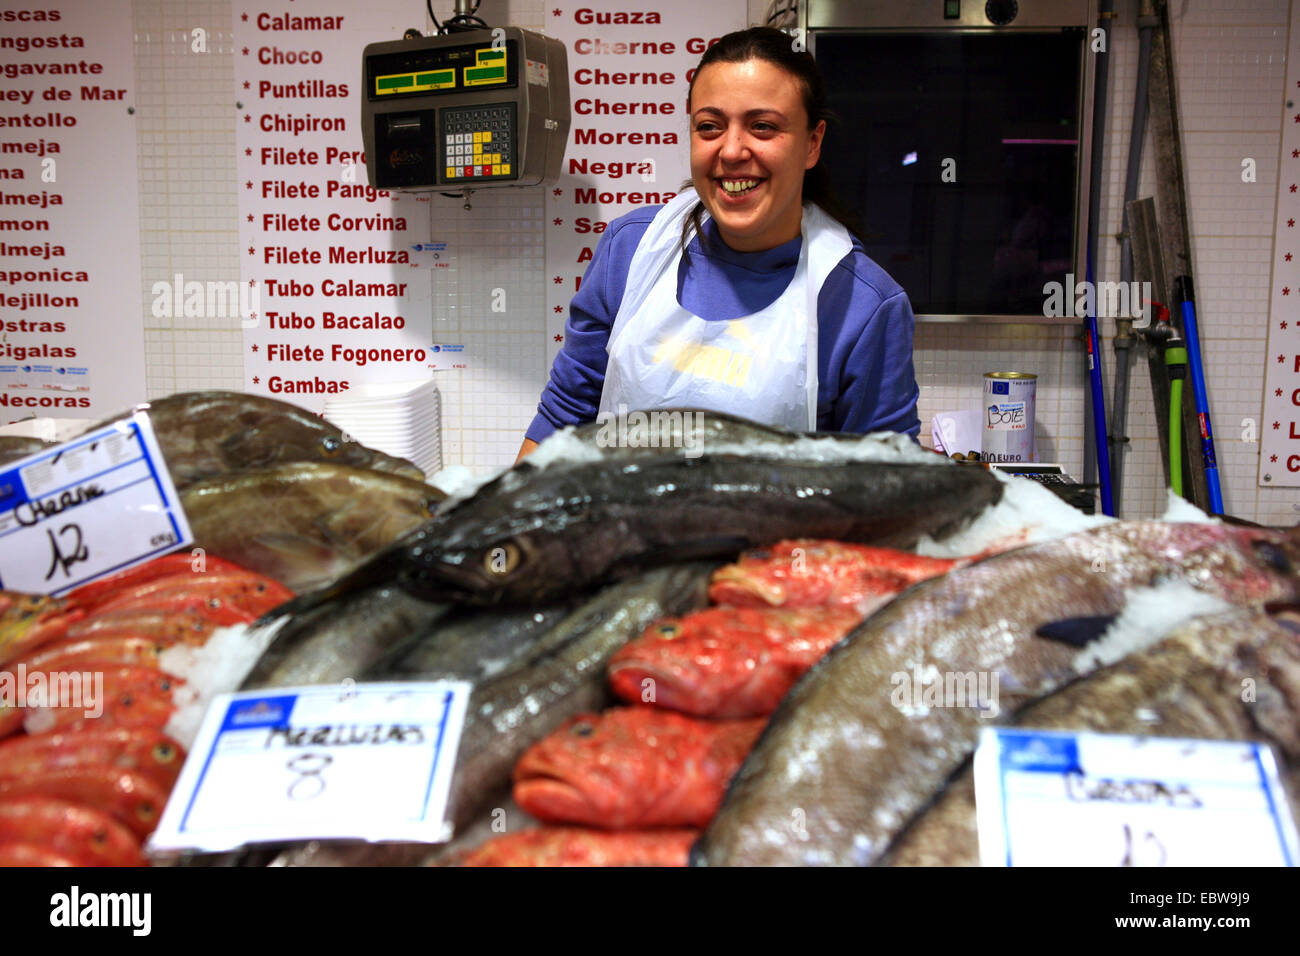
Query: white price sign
(91, 506)
(1084, 799)
(366, 762)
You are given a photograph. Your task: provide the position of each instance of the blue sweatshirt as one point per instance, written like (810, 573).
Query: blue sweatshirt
(864, 325)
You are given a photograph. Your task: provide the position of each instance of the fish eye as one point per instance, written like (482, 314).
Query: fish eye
(503, 559)
(146, 812)
(582, 729)
(164, 684)
(1273, 556)
(330, 445)
(164, 753)
(100, 837)
(668, 631)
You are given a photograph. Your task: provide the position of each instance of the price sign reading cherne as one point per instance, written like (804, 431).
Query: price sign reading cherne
(362, 762)
(1085, 799)
(89, 507)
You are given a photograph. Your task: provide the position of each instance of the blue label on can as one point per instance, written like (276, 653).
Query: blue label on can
(1001, 388)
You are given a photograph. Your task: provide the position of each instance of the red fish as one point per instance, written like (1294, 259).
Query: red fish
(189, 627)
(72, 655)
(130, 798)
(224, 598)
(726, 661)
(132, 696)
(145, 750)
(89, 596)
(90, 836)
(574, 846)
(811, 572)
(30, 621)
(633, 767)
(33, 854)
(122, 694)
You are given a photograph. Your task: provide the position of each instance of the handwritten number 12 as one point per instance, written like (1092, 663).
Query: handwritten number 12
(58, 559)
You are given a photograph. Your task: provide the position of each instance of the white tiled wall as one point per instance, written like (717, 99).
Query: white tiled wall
(1230, 71)
(185, 130)
(1230, 61)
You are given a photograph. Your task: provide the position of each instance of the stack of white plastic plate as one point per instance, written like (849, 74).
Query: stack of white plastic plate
(399, 418)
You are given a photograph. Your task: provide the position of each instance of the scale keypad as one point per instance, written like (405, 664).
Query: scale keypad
(479, 142)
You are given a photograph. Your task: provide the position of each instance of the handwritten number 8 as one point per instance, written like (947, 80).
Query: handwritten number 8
(308, 767)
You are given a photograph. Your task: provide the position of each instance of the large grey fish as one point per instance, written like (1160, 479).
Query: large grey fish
(14, 447)
(562, 675)
(690, 432)
(475, 644)
(304, 523)
(841, 770)
(204, 434)
(502, 815)
(1191, 684)
(363, 630)
(535, 536)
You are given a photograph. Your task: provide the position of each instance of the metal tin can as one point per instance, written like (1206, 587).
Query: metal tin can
(1009, 416)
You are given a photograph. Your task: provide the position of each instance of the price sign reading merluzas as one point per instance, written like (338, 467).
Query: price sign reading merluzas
(89, 507)
(353, 761)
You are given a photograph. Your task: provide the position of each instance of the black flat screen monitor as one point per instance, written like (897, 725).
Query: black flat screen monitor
(958, 154)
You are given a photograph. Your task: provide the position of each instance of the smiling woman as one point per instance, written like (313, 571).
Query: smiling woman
(746, 293)
(748, 162)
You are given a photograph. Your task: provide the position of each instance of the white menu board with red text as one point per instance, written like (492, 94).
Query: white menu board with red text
(343, 291)
(1279, 438)
(629, 140)
(71, 336)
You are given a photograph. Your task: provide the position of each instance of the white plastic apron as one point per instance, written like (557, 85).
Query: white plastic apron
(762, 367)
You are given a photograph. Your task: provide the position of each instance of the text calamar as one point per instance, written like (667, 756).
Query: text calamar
(103, 909)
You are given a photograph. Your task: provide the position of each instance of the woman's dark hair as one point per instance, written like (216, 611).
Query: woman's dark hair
(777, 48)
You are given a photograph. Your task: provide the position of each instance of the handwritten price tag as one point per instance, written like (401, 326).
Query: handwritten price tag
(88, 507)
(365, 762)
(1063, 799)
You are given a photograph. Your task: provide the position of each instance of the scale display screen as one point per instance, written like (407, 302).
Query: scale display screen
(445, 70)
(473, 110)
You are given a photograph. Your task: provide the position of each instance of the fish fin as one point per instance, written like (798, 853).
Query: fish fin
(287, 543)
(1076, 631)
(699, 549)
(375, 571)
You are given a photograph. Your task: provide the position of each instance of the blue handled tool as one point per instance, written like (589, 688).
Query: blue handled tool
(1097, 390)
(1183, 290)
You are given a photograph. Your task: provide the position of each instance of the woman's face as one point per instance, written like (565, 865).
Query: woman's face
(750, 145)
